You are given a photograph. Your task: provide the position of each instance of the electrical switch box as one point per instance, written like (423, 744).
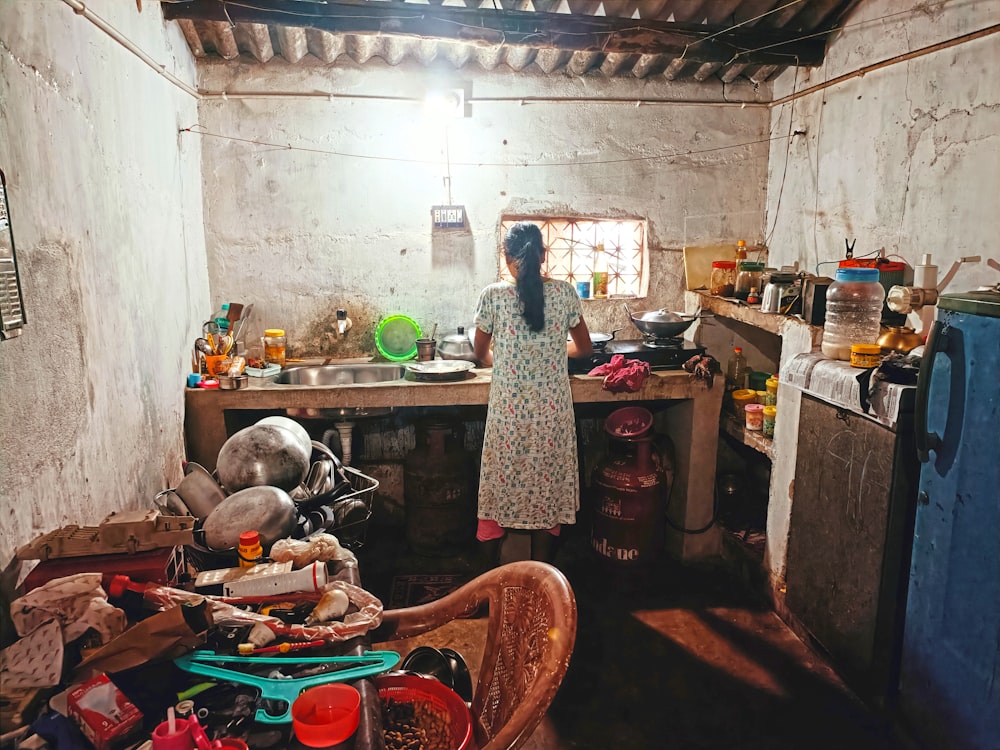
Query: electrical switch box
(448, 217)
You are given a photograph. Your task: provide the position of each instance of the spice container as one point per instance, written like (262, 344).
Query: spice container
(754, 417)
(761, 397)
(723, 279)
(748, 274)
(743, 397)
(250, 549)
(274, 346)
(771, 389)
(866, 355)
(770, 414)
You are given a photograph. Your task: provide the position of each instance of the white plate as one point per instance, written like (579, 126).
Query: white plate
(441, 367)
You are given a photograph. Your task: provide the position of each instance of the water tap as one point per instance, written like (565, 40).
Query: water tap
(343, 322)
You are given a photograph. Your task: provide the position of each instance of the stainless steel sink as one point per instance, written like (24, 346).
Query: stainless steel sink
(340, 374)
(332, 375)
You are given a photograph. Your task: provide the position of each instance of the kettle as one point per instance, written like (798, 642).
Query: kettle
(779, 286)
(457, 346)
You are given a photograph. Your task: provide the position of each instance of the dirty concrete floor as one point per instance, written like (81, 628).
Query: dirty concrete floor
(682, 656)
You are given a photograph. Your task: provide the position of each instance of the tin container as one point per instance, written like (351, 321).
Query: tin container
(866, 355)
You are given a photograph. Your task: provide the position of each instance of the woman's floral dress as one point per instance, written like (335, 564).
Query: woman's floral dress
(529, 476)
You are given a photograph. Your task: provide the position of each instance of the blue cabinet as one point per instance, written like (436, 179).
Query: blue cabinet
(949, 691)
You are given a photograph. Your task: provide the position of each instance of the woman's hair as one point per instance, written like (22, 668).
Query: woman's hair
(523, 247)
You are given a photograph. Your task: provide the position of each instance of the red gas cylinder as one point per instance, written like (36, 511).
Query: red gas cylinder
(629, 493)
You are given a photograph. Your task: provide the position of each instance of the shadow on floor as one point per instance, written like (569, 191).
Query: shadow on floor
(676, 656)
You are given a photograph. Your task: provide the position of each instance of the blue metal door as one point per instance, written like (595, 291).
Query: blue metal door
(950, 672)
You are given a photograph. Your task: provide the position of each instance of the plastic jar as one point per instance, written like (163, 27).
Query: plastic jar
(747, 277)
(866, 355)
(743, 397)
(754, 416)
(723, 281)
(771, 389)
(853, 311)
(250, 549)
(274, 346)
(770, 414)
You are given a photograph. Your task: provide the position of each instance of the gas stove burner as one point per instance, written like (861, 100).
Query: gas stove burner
(654, 342)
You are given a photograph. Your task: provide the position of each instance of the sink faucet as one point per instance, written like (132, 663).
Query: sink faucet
(343, 322)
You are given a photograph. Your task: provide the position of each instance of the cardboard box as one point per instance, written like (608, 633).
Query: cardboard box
(105, 716)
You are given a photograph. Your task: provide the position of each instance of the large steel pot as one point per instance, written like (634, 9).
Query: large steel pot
(262, 454)
(268, 510)
(663, 324)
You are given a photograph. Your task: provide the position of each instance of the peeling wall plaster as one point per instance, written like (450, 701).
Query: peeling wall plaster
(906, 158)
(105, 205)
(302, 233)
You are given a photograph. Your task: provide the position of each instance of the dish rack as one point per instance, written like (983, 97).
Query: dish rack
(347, 518)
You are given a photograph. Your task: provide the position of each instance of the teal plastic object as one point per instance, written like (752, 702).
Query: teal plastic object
(286, 690)
(396, 338)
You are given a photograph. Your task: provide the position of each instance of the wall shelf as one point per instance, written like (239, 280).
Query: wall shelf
(736, 429)
(752, 316)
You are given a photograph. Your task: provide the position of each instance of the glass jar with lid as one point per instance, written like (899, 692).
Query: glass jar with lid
(723, 280)
(274, 346)
(748, 274)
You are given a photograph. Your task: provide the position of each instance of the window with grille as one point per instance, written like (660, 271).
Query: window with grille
(573, 251)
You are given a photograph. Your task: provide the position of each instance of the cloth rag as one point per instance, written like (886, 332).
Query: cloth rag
(621, 374)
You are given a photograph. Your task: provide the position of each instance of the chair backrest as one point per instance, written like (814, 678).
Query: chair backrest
(530, 636)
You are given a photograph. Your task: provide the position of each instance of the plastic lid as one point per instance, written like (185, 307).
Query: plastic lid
(770, 411)
(737, 348)
(751, 265)
(741, 243)
(753, 407)
(866, 348)
(723, 264)
(857, 274)
(274, 332)
(249, 539)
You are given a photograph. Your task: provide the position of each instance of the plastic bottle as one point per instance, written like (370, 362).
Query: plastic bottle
(736, 371)
(741, 250)
(221, 317)
(853, 311)
(600, 286)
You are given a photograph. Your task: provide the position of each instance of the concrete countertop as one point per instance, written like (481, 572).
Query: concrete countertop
(692, 421)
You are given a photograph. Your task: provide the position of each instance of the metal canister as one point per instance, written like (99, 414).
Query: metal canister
(629, 504)
(439, 491)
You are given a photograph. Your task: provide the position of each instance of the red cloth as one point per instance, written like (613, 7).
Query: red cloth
(621, 375)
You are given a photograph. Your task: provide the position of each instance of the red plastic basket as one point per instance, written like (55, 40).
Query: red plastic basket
(435, 696)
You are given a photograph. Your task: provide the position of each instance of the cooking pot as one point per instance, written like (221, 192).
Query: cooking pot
(456, 346)
(262, 454)
(663, 324)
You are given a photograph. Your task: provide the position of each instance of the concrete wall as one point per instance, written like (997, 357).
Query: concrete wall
(105, 203)
(905, 158)
(346, 224)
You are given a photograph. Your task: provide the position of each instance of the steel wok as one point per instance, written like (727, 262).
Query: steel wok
(663, 324)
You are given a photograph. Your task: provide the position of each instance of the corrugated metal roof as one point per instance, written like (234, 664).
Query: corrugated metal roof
(674, 39)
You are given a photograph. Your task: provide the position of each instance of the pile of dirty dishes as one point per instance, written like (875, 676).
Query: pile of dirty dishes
(257, 469)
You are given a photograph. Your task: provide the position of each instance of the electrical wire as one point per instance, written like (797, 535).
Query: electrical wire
(197, 130)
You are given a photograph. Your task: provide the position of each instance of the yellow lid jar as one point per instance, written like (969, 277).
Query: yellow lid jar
(274, 346)
(866, 355)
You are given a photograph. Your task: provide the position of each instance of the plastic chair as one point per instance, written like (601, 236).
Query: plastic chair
(529, 640)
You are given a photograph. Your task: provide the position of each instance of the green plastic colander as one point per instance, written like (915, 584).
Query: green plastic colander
(396, 337)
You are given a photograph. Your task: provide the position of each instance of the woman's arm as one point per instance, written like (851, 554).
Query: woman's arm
(580, 346)
(481, 347)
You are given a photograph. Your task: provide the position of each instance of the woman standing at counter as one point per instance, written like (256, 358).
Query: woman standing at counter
(529, 477)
